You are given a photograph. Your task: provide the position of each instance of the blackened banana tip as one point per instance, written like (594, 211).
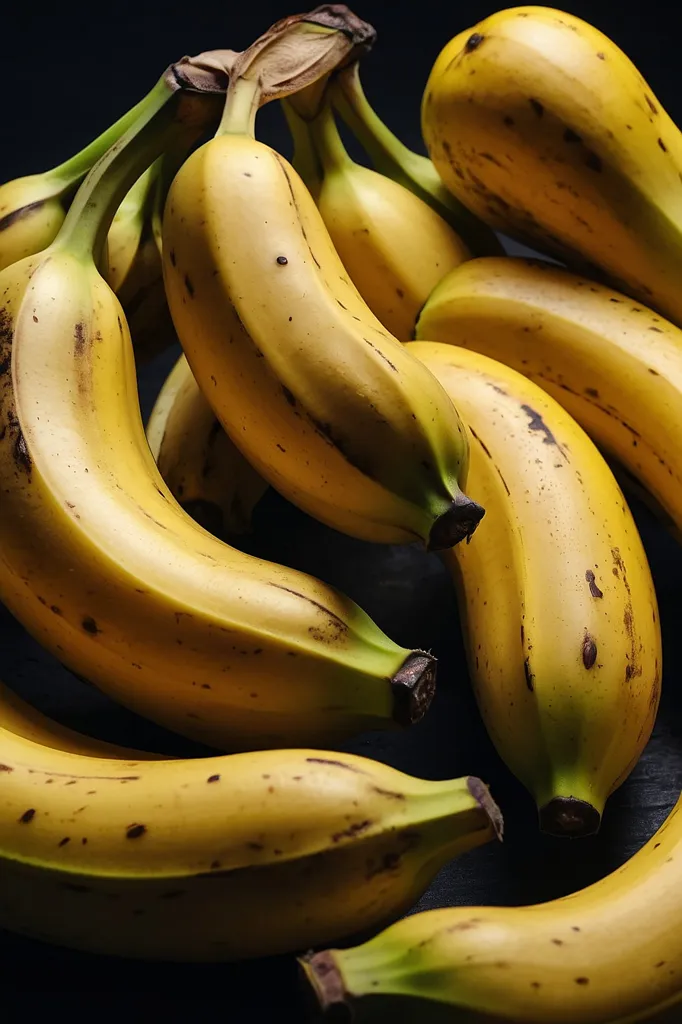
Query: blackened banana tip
(414, 686)
(570, 818)
(456, 524)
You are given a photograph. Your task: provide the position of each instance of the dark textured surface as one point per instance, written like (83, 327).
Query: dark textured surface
(72, 73)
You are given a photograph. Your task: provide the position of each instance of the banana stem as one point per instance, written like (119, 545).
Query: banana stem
(305, 159)
(383, 147)
(241, 106)
(327, 141)
(76, 167)
(167, 112)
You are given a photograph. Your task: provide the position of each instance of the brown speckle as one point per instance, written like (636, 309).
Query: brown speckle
(594, 589)
(213, 778)
(135, 831)
(90, 626)
(352, 831)
(189, 286)
(473, 42)
(282, 260)
(528, 674)
(600, 55)
(593, 162)
(571, 136)
(64, 841)
(582, 981)
(27, 816)
(652, 106)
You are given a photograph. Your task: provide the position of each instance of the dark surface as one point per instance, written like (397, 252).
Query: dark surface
(71, 74)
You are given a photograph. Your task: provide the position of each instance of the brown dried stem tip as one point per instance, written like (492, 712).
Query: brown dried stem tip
(414, 686)
(207, 72)
(458, 522)
(323, 987)
(569, 818)
(303, 48)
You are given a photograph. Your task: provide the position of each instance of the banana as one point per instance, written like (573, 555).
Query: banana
(330, 409)
(125, 233)
(204, 471)
(24, 722)
(609, 954)
(98, 561)
(413, 171)
(558, 607)
(219, 858)
(613, 364)
(394, 246)
(544, 128)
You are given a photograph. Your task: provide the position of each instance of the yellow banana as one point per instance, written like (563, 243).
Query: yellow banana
(204, 471)
(609, 954)
(328, 407)
(19, 718)
(546, 130)
(101, 565)
(413, 171)
(394, 246)
(613, 364)
(558, 606)
(219, 858)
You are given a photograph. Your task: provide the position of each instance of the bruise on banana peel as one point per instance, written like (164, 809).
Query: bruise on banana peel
(560, 143)
(563, 642)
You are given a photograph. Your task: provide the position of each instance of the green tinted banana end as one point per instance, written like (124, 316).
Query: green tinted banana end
(569, 817)
(455, 524)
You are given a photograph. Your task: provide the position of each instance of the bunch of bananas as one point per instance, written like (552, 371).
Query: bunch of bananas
(355, 338)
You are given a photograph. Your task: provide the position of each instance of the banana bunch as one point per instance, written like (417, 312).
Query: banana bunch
(214, 858)
(609, 954)
(296, 290)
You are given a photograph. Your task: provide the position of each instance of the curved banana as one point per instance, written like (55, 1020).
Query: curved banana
(220, 858)
(413, 171)
(394, 246)
(205, 472)
(125, 233)
(558, 606)
(613, 364)
(99, 562)
(24, 722)
(543, 128)
(328, 407)
(609, 954)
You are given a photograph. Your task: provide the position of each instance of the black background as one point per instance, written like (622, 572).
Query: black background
(66, 74)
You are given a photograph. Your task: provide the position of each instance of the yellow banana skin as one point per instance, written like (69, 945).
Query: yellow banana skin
(328, 407)
(19, 718)
(615, 365)
(609, 954)
(31, 213)
(101, 565)
(205, 472)
(546, 130)
(394, 246)
(558, 606)
(219, 858)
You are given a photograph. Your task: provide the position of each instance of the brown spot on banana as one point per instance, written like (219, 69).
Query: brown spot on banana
(24, 211)
(589, 651)
(594, 589)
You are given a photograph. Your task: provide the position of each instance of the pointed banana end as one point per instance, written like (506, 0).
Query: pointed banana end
(569, 818)
(413, 686)
(323, 987)
(481, 795)
(458, 523)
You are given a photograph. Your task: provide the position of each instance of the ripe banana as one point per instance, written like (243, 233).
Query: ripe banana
(613, 364)
(558, 606)
(101, 565)
(413, 171)
(609, 954)
(219, 858)
(24, 722)
(328, 407)
(394, 246)
(544, 128)
(205, 472)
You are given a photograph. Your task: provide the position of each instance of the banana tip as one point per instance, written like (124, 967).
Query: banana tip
(569, 817)
(413, 686)
(481, 795)
(455, 524)
(323, 987)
